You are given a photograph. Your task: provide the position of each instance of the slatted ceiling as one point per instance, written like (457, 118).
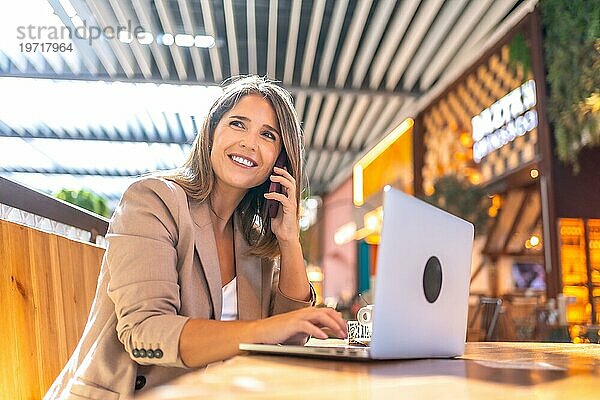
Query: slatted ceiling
(159, 52)
(324, 123)
(495, 13)
(360, 107)
(167, 25)
(453, 41)
(333, 38)
(320, 166)
(209, 28)
(139, 51)
(351, 41)
(189, 26)
(419, 27)
(334, 161)
(430, 44)
(293, 26)
(383, 119)
(367, 50)
(101, 49)
(310, 49)
(345, 44)
(251, 36)
(339, 119)
(231, 38)
(311, 160)
(367, 123)
(314, 106)
(391, 41)
(124, 56)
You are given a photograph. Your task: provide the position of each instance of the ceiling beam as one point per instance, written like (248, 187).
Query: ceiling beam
(234, 64)
(158, 50)
(166, 20)
(495, 13)
(251, 24)
(112, 137)
(325, 118)
(83, 48)
(391, 41)
(189, 25)
(123, 54)
(310, 49)
(359, 109)
(140, 52)
(76, 171)
(290, 52)
(331, 43)
(367, 49)
(272, 40)
(439, 28)
(351, 41)
(310, 119)
(453, 41)
(209, 27)
(320, 168)
(295, 89)
(334, 164)
(367, 123)
(339, 120)
(419, 27)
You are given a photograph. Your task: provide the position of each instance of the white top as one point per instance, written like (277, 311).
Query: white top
(229, 311)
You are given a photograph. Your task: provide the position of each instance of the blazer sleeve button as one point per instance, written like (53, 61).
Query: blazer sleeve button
(136, 353)
(140, 382)
(149, 353)
(142, 353)
(158, 353)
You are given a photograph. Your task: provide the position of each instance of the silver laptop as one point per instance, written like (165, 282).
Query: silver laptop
(421, 287)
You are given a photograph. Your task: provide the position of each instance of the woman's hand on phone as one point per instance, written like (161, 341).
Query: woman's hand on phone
(285, 225)
(316, 322)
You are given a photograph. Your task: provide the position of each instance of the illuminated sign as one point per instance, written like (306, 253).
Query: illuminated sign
(388, 162)
(508, 118)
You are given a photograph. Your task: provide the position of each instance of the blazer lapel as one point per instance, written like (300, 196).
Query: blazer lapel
(249, 277)
(206, 247)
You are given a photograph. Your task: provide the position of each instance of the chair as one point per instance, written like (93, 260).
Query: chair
(487, 312)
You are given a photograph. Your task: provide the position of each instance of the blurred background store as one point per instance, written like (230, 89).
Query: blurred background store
(489, 109)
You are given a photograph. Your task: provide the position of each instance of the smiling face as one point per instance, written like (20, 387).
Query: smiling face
(246, 143)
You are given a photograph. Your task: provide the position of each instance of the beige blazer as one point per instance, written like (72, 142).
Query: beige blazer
(160, 269)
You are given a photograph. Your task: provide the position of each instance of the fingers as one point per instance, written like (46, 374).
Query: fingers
(333, 320)
(282, 198)
(313, 330)
(312, 321)
(286, 174)
(328, 318)
(290, 187)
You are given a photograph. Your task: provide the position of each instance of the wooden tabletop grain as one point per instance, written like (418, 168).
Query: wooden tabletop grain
(486, 371)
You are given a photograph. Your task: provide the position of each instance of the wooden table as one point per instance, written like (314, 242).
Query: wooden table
(486, 371)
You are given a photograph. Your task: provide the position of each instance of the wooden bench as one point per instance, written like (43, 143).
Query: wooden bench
(47, 284)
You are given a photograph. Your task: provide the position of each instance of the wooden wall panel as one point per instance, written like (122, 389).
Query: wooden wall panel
(47, 287)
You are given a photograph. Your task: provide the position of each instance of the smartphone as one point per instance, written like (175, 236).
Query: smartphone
(272, 206)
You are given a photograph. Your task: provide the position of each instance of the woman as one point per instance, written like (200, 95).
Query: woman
(194, 265)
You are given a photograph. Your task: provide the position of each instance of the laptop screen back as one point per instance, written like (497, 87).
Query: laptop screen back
(422, 282)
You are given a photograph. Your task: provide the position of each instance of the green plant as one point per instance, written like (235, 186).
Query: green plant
(572, 56)
(520, 53)
(85, 199)
(461, 198)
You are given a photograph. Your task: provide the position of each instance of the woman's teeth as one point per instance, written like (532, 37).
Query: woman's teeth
(243, 161)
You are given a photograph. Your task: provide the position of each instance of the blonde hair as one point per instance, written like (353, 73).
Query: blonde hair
(196, 175)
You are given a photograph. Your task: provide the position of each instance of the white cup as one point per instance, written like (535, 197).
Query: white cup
(365, 315)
